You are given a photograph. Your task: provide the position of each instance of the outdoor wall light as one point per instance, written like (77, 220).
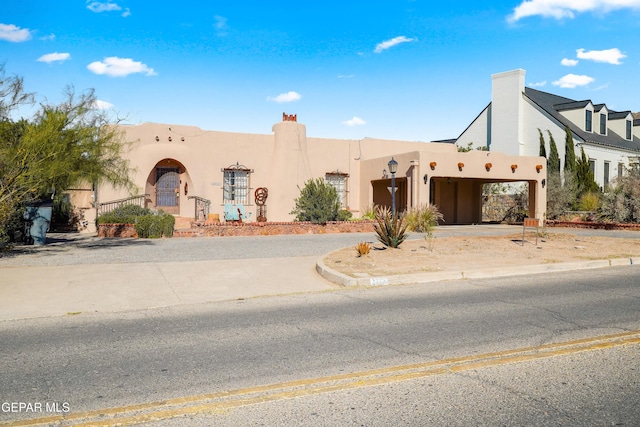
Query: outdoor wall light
(157, 138)
(393, 168)
(169, 139)
(432, 165)
(425, 178)
(544, 182)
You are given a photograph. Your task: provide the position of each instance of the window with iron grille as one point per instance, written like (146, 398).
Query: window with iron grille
(338, 180)
(236, 184)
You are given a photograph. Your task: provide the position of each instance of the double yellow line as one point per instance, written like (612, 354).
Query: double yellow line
(221, 401)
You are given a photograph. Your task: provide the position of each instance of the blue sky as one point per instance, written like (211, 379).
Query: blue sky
(413, 70)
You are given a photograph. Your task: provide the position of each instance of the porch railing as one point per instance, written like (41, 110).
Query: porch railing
(106, 207)
(202, 208)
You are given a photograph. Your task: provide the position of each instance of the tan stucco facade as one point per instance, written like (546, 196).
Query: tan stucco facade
(285, 159)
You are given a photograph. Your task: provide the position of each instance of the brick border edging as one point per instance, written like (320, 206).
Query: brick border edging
(593, 225)
(249, 229)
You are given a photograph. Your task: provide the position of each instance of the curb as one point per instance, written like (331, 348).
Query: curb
(405, 279)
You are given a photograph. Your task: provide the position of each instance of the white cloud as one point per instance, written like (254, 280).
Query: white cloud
(285, 97)
(355, 121)
(538, 84)
(120, 67)
(560, 9)
(571, 81)
(51, 37)
(11, 33)
(54, 57)
(127, 12)
(99, 7)
(569, 62)
(392, 42)
(102, 105)
(345, 76)
(220, 25)
(610, 56)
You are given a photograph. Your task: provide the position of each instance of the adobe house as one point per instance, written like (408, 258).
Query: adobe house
(179, 168)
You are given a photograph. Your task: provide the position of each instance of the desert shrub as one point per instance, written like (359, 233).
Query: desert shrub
(318, 202)
(363, 248)
(589, 202)
(621, 201)
(423, 219)
(369, 212)
(390, 228)
(125, 214)
(344, 215)
(155, 225)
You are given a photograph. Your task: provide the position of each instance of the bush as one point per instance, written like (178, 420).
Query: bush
(369, 212)
(621, 202)
(390, 228)
(125, 214)
(589, 202)
(318, 202)
(423, 219)
(344, 215)
(155, 226)
(147, 223)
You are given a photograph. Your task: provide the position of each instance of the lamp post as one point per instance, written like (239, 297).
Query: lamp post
(393, 168)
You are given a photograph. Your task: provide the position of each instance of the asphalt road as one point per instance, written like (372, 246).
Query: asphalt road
(92, 362)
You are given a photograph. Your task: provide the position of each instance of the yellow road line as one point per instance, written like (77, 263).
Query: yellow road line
(220, 401)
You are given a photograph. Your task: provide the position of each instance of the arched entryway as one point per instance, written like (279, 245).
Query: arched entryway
(167, 185)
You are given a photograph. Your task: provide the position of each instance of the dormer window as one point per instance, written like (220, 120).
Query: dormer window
(603, 124)
(588, 121)
(629, 135)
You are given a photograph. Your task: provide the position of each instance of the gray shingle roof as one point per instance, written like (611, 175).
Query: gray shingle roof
(553, 104)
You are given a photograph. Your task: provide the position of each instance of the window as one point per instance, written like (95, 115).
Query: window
(236, 184)
(592, 166)
(603, 124)
(620, 169)
(338, 180)
(629, 136)
(606, 175)
(588, 120)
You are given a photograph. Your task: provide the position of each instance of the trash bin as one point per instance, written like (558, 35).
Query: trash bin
(38, 216)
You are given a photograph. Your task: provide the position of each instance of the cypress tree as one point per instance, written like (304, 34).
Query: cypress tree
(585, 180)
(569, 151)
(553, 162)
(543, 150)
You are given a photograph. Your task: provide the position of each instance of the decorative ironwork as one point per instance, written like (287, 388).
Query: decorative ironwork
(140, 200)
(202, 208)
(260, 196)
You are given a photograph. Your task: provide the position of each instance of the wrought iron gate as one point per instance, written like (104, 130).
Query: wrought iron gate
(167, 186)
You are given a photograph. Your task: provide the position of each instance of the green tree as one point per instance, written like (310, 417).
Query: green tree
(569, 152)
(318, 202)
(543, 150)
(553, 162)
(61, 146)
(585, 182)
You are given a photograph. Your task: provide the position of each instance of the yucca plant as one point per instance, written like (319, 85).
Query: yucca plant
(363, 248)
(390, 228)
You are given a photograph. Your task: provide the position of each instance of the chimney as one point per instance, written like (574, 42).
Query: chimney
(506, 112)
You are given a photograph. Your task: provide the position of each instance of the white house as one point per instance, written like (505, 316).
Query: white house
(510, 123)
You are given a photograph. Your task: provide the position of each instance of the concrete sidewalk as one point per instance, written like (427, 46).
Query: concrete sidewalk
(44, 291)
